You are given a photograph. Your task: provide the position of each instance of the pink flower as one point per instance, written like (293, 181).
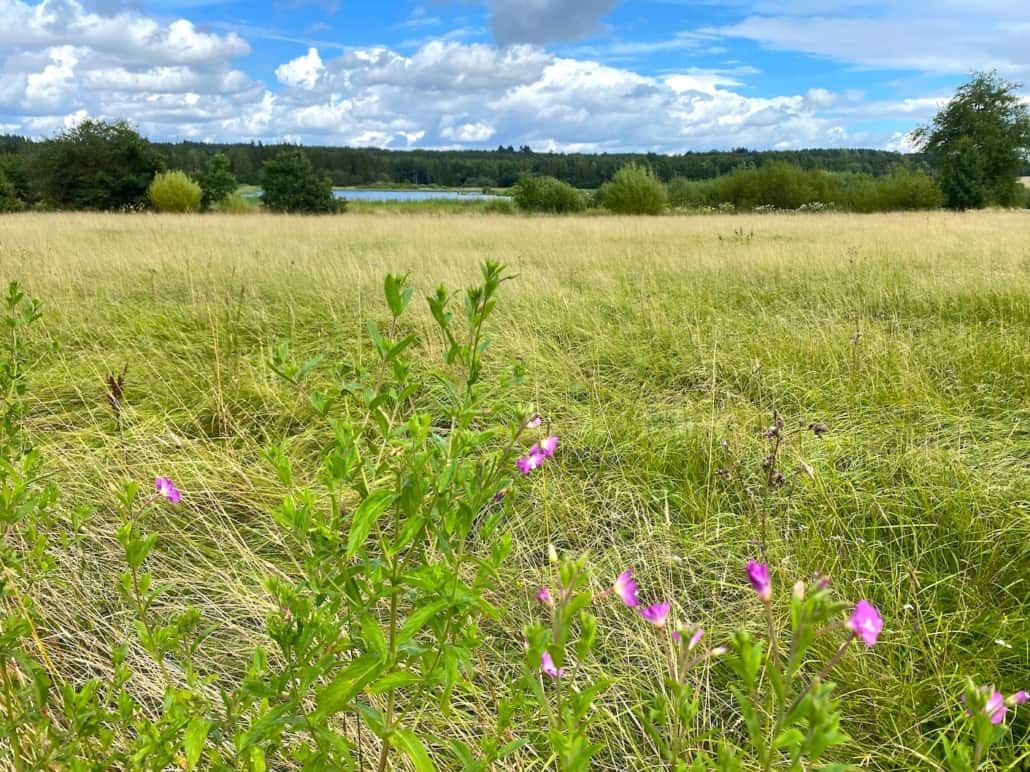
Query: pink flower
(534, 421)
(695, 639)
(1018, 698)
(626, 588)
(547, 666)
(865, 622)
(548, 446)
(656, 614)
(167, 489)
(758, 575)
(534, 460)
(995, 707)
(544, 596)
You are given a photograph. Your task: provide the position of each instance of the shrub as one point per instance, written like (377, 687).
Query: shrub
(691, 194)
(218, 182)
(174, 192)
(634, 190)
(547, 194)
(236, 203)
(906, 190)
(775, 184)
(290, 184)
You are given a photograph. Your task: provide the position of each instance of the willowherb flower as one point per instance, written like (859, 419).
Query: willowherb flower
(758, 575)
(996, 708)
(656, 614)
(548, 446)
(626, 588)
(544, 596)
(547, 666)
(695, 639)
(1018, 698)
(865, 622)
(166, 488)
(534, 421)
(534, 460)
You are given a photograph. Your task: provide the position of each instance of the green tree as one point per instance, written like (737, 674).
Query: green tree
(547, 194)
(290, 184)
(97, 165)
(962, 176)
(174, 192)
(219, 181)
(979, 142)
(634, 190)
(8, 198)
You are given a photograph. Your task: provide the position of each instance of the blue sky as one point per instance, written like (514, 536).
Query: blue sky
(592, 75)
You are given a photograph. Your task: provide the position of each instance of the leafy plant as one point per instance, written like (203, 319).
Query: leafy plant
(174, 192)
(634, 190)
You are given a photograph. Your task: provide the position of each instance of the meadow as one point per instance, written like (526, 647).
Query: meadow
(658, 350)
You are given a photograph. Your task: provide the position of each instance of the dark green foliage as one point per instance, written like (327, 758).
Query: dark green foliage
(97, 165)
(8, 199)
(503, 167)
(15, 168)
(963, 177)
(547, 194)
(691, 194)
(903, 190)
(290, 184)
(218, 181)
(775, 184)
(634, 190)
(978, 143)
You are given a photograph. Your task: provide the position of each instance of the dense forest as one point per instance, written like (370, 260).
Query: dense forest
(503, 166)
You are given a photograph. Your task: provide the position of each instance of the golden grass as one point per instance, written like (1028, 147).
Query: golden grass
(648, 341)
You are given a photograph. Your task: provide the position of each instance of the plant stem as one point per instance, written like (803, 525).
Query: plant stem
(822, 673)
(19, 764)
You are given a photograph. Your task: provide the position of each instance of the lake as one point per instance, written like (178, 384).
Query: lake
(410, 195)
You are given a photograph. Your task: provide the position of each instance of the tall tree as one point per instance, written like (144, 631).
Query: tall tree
(978, 143)
(218, 182)
(289, 184)
(97, 165)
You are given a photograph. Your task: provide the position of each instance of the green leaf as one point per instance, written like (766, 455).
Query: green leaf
(348, 682)
(365, 517)
(395, 680)
(417, 620)
(193, 740)
(406, 741)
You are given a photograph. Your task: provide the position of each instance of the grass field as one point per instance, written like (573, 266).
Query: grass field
(648, 342)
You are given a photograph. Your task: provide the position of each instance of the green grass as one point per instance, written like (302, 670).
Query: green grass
(648, 342)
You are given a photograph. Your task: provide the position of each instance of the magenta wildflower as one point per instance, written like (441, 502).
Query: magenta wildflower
(534, 421)
(167, 489)
(758, 575)
(548, 446)
(1018, 698)
(696, 639)
(865, 622)
(547, 666)
(534, 460)
(626, 588)
(544, 596)
(656, 614)
(995, 707)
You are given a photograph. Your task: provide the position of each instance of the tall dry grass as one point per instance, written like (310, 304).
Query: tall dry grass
(650, 343)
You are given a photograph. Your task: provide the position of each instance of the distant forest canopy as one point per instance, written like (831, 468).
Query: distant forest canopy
(503, 166)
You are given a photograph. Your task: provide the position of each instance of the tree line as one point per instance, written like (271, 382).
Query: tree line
(973, 153)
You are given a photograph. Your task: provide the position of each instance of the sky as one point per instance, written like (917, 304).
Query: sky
(662, 76)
